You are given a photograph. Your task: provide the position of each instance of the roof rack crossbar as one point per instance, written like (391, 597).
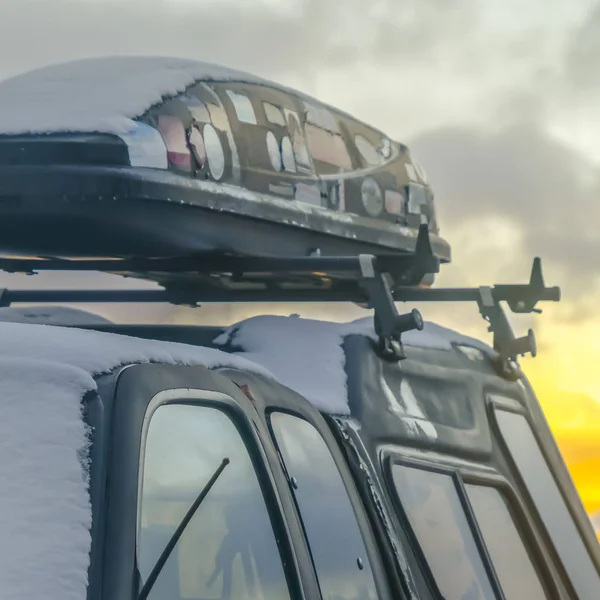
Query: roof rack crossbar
(380, 281)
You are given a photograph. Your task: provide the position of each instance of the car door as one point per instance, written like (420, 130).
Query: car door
(174, 430)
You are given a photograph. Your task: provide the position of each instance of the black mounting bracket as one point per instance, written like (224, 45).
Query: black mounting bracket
(520, 299)
(389, 324)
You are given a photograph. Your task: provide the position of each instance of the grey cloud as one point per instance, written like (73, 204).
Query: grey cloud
(316, 34)
(583, 55)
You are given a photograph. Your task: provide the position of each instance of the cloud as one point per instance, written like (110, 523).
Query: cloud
(521, 176)
(581, 61)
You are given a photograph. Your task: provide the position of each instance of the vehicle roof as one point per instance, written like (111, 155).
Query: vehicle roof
(45, 372)
(104, 95)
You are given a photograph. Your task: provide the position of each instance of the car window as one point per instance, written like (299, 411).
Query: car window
(436, 516)
(510, 558)
(336, 544)
(228, 549)
(550, 504)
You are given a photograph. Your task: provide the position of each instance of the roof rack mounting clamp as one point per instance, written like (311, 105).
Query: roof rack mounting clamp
(389, 324)
(505, 343)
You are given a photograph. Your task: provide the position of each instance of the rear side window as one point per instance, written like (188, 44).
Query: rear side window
(436, 516)
(337, 547)
(228, 549)
(510, 558)
(550, 504)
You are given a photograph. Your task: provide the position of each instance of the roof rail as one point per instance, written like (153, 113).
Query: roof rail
(379, 281)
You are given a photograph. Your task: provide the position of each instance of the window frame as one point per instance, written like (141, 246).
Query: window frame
(505, 403)
(463, 473)
(232, 410)
(384, 586)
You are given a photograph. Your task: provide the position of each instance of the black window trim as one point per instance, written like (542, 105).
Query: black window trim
(230, 407)
(461, 475)
(383, 583)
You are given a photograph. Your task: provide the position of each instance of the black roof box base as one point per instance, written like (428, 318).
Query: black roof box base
(122, 212)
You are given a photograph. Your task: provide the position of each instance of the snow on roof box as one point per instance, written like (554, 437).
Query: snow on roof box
(139, 156)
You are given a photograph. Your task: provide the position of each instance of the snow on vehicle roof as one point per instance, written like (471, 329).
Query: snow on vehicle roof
(45, 513)
(50, 315)
(45, 371)
(307, 355)
(103, 95)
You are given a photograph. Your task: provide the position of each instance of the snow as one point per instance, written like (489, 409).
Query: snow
(100, 94)
(316, 370)
(50, 315)
(45, 514)
(104, 95)
(97, 352)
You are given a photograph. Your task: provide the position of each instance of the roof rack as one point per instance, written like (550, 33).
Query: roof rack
(377, 281)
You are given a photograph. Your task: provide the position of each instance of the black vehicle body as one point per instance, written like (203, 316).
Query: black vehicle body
(459, 396)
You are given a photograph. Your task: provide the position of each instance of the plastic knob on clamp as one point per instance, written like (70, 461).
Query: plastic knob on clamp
(524, 345)
(409, 322)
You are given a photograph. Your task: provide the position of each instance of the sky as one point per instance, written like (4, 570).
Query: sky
(498, 99)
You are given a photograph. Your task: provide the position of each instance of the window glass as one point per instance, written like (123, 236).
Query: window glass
(511, 560)
(228, 549)
(336, 543)
(438, 520)
(550, 504)
(274, 114)
(243, 107)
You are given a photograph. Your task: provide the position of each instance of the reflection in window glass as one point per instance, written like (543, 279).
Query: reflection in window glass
(512, 563)
(542, 487)
(274, 114)
(368, 152)
(243, 107)
(417, 199)
(228, 549)
(321, 117)
(328, 147)
(298, 141)
(214, 152)
(332, 530)
(436, 516)
(287, 155)
(196, 107)
(218, 116)
(274, 151)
